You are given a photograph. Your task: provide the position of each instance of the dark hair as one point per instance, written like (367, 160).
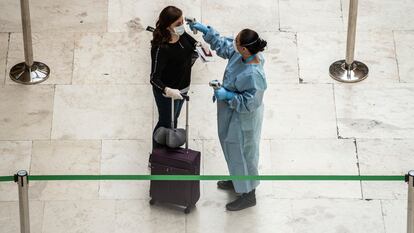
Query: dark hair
(168, 16)
(251, 40)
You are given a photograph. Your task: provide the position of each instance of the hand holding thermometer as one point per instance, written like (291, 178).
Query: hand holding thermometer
(191, 21)
(215, 84)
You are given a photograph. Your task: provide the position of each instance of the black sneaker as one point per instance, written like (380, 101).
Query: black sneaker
(246, 200)
(225, 184)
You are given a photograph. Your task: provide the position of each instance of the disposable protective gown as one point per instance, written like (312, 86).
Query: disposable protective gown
(240, 119)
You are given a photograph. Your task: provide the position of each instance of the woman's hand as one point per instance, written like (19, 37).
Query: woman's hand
(199, 27)
(223, 94)
(173, 93)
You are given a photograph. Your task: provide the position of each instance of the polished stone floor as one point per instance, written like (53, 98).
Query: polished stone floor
(95, 114)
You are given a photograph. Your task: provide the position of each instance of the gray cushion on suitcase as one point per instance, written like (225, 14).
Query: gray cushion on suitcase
(172, 138)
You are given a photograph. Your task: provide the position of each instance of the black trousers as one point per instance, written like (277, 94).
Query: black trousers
(164, 112)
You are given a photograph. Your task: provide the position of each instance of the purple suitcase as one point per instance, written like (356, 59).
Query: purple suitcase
(178, 161)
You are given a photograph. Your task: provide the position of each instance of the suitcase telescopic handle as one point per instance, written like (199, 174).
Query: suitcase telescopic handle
(187, 100)
(186, 97)
(187, 128)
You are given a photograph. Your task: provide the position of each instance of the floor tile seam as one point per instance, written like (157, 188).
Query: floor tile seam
(73, 59)
(100, 170)
(396, 56)
(31, 157)
(359, 167)
(383, 216)
(7, 58)
(53, 112)
(107, 16)
(278, 14)
(342, 12)
(336, 111)
(43, 216)
(300, 80)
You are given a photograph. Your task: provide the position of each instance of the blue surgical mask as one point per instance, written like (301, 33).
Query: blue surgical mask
(179, 30)
(235, 46)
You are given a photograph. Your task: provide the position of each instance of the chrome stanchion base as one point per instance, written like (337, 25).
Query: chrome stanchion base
(23, 74)
(357, 72)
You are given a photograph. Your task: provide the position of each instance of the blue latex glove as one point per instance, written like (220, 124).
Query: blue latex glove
(223, 94)
(199, 27)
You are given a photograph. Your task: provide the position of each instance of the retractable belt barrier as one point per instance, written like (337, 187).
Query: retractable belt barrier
(210, 177)
(22, 178)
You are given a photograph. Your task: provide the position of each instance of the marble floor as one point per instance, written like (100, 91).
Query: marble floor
(95, 114)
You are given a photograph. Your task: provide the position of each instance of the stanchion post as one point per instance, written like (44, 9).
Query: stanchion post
(410, 206)
(23, 187)
(28, 72)
(27, 32)
(349, 70)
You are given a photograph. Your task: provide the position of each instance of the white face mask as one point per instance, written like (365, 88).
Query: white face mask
(179, 30)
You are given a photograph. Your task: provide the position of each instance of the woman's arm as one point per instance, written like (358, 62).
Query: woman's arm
(158, 63)
(250, 89)
(222, 45)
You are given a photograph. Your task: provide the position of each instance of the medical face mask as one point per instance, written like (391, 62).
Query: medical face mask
(235, 46)
(179, 30)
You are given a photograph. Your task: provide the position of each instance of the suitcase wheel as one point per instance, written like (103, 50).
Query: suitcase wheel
(187, 210)
(152, 202)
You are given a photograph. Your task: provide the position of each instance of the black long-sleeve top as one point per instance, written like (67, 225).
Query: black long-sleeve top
(171, 63)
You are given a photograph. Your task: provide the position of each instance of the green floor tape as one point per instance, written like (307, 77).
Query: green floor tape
(6, 178)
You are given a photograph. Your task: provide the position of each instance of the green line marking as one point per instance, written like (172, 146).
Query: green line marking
(6, 178)
(210, 177)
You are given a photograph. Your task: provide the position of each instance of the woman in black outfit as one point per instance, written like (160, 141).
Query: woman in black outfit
(171, 54)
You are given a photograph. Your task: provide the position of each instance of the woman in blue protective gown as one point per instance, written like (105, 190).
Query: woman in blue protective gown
(239, 108)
